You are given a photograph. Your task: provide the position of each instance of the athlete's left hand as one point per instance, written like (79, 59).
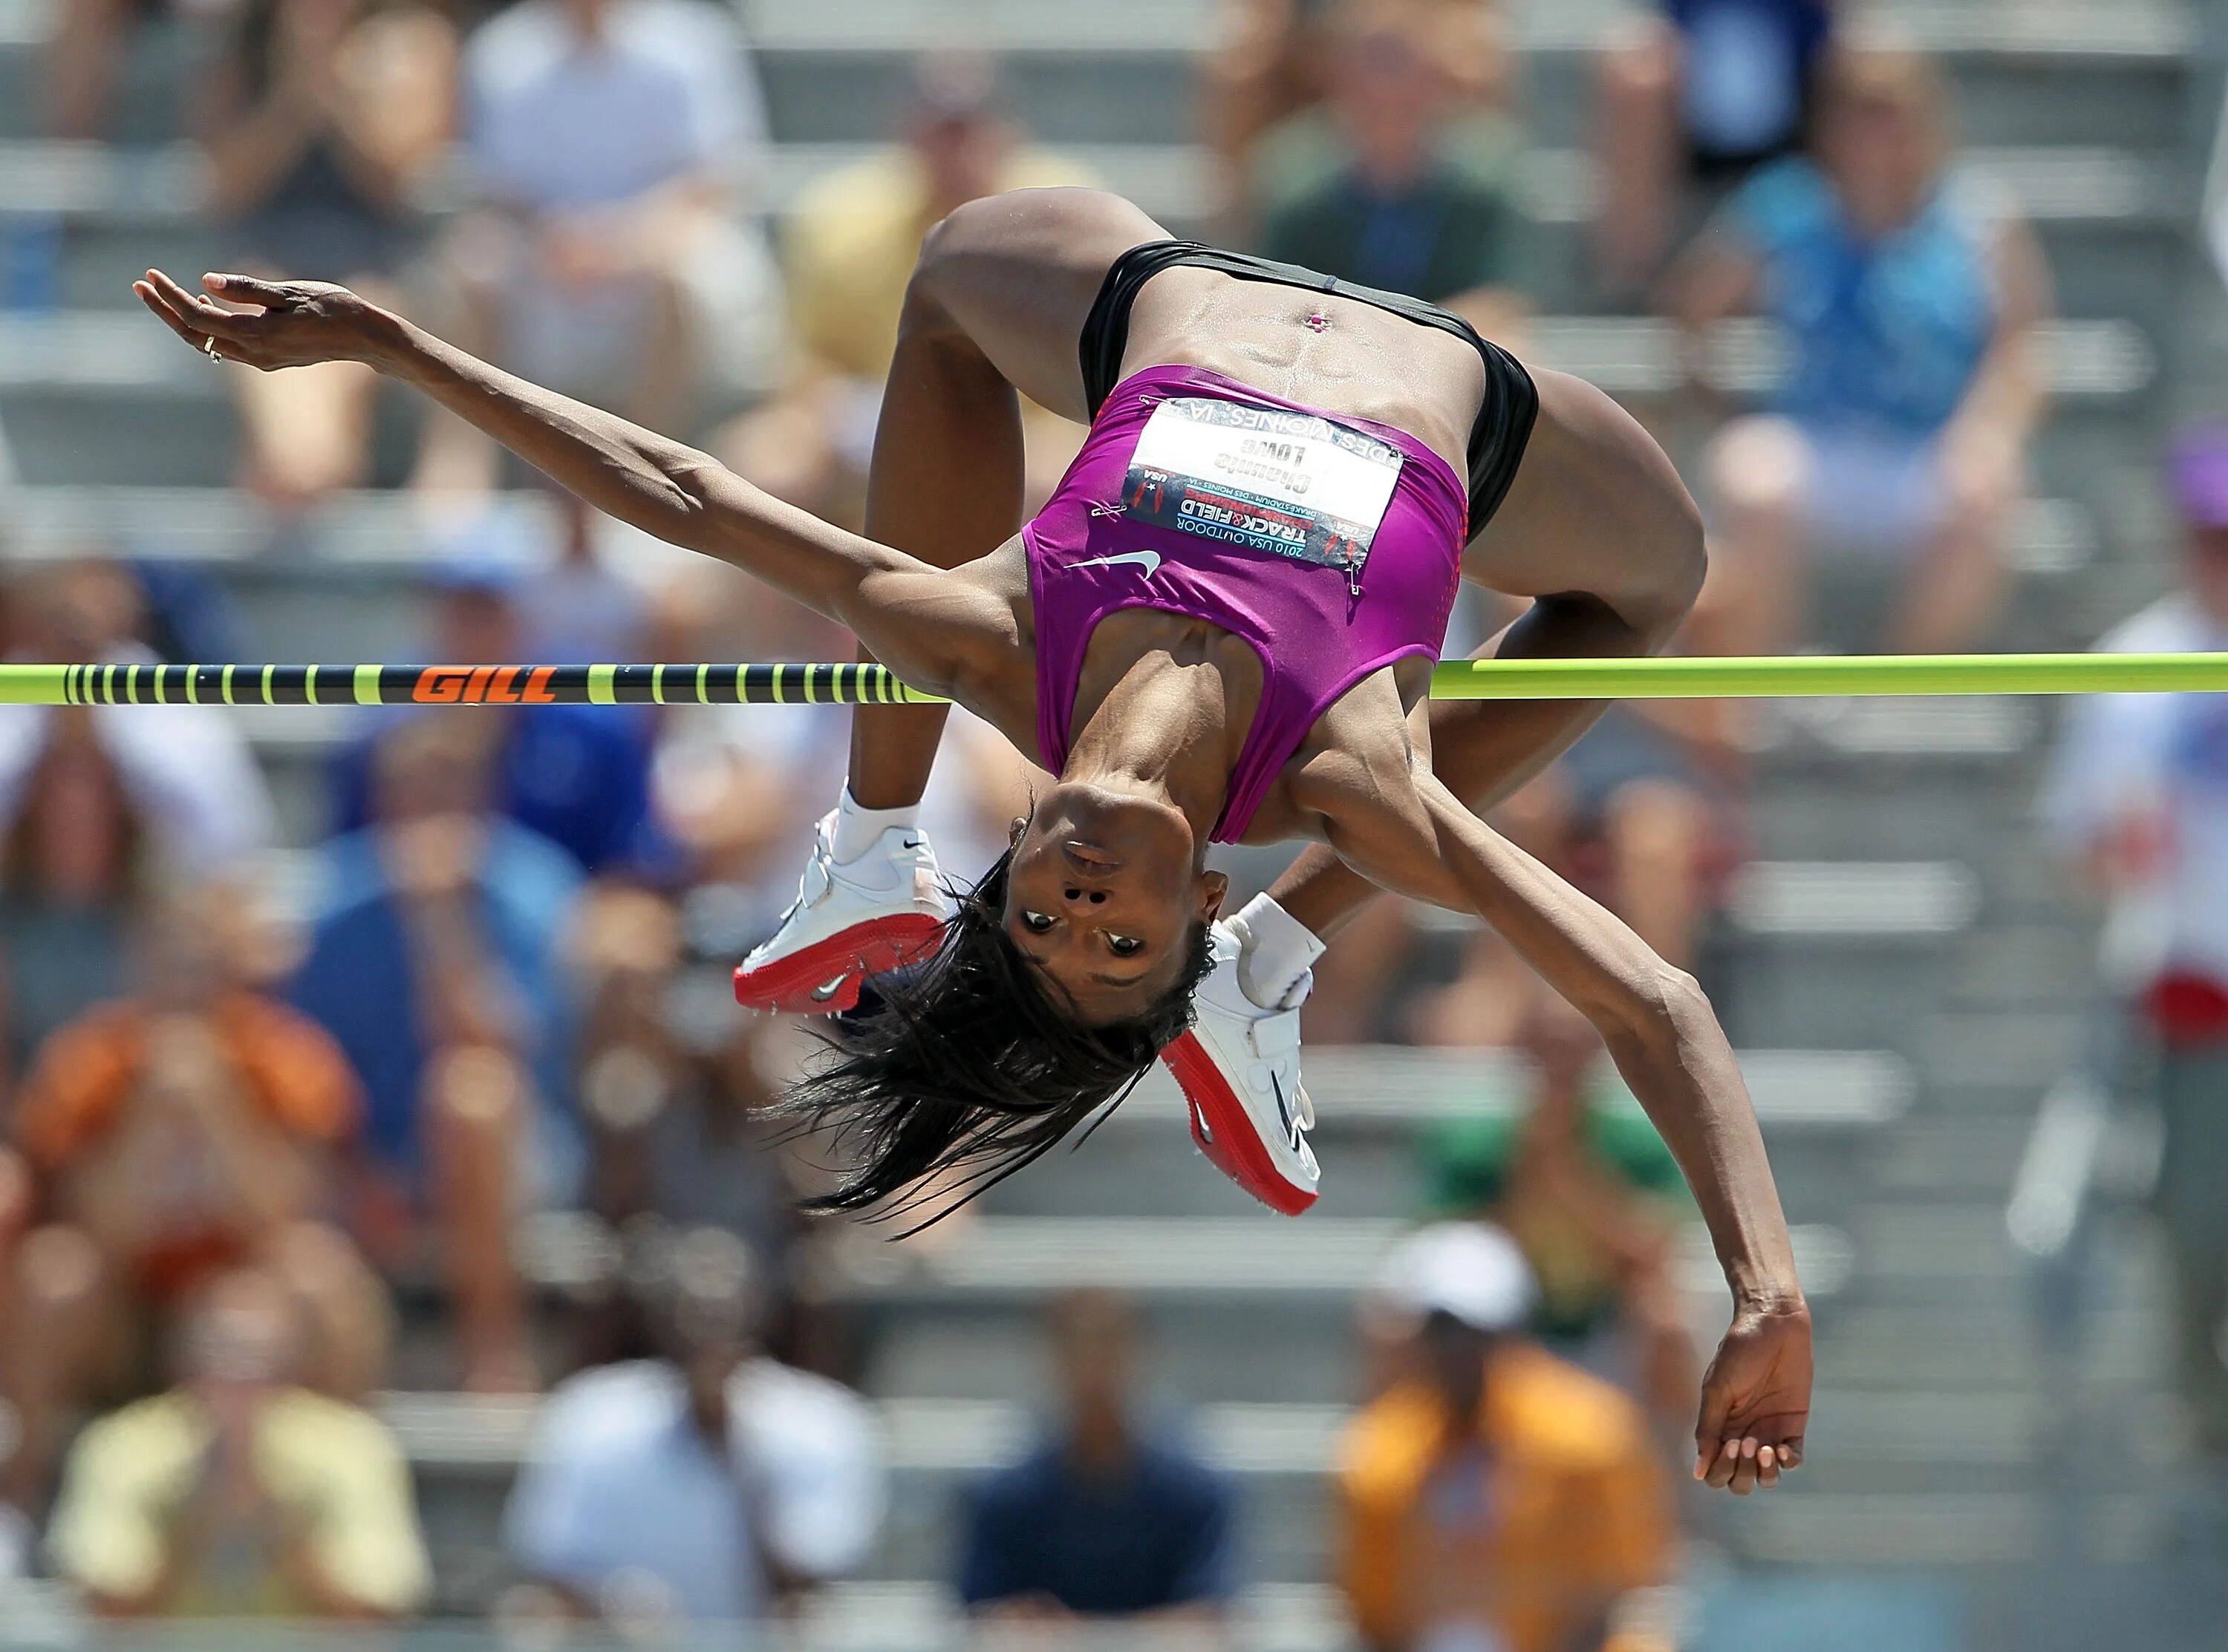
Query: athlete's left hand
(1755, 1400)
(295, 324)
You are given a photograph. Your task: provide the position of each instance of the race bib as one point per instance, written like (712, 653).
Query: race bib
(1292, 484)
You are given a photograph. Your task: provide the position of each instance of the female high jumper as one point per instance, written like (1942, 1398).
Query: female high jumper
(1221, 627)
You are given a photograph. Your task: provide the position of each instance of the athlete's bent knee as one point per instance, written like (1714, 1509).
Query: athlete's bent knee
(967, 230)
(1677, 561)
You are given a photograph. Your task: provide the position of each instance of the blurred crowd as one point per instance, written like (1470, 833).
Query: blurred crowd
(301, 1089)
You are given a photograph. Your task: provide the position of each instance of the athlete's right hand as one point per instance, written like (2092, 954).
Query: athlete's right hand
(1756, 1398)
(294, 323)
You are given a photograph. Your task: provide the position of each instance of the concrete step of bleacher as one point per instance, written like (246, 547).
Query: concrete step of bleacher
(1822, 1111)
(1949, 1156)
(1245, 1263)
(1920, 808)
(2024, 73)
(1865, 1446)
(2112, 220)
(484, 1436)
(1079, 73)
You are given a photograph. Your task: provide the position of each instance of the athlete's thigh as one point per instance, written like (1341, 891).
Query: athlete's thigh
(1017, 274)
(1597, 507)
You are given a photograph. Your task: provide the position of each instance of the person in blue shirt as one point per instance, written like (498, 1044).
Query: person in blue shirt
(1910, 297)
(576, 775)
(1700, 93)
(1103, 1520)
(434, 962)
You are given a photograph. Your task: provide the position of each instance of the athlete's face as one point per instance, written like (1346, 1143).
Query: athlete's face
(1104, 894)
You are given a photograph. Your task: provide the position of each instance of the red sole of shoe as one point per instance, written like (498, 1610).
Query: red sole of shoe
(799, 984)
(1229, 1138)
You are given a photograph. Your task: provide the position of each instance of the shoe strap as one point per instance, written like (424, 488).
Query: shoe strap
(819, 867)
(1274, 1034)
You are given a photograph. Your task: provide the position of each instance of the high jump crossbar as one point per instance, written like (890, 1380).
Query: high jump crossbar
(1792, 677)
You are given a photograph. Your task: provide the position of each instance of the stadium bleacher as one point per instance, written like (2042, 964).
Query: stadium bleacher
(1899, 956)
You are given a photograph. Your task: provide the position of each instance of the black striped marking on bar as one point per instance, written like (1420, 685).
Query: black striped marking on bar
(789, 683)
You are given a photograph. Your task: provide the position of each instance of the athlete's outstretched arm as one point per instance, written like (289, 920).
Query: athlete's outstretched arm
(1665, 1040)
(933, 627)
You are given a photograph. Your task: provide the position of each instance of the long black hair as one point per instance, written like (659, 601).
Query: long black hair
(971, 1061)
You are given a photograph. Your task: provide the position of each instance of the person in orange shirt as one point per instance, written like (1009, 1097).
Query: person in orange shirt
(170, 1136)
(1493, 1499)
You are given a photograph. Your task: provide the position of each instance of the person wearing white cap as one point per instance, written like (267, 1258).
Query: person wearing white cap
(1469, 1272)
(1496, 1499)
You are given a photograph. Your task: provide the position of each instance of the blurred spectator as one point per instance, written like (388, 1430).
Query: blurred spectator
(318, 123)
(98, 803)
(1496, 1497)
(579, 609)
(435, 959)
(608, 142)
(187, 766)
(1700, 93)
(73, 866)
(185, 1130)
(91, 42)
(191, 615)
(576, 775)
(1273, 63)
(238, 1493)
(2139, 796)
(1103, 1520)
(848, 249)
(1911, 297)
(1641, 813)
(1395, 183)
(850, 246)
(676, 1086)
(1593, 1199)
(18, 1533)
(708, 1485)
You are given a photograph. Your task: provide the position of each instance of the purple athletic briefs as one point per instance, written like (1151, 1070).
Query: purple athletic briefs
(1332, 545)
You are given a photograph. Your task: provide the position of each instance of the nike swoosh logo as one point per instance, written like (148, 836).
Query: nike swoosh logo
(1149, 560)
(822, 993)
(1206, 1130)
(1284, 1112)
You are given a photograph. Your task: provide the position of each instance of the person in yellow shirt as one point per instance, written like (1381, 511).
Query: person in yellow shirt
(1494, 1499)
(848, 248)
(236, 1495)
(854, 237)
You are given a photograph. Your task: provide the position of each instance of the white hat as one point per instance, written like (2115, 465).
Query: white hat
(1469, 1270)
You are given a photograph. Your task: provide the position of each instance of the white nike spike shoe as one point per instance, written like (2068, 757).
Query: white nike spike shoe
(885, 909)
(1238, 1066)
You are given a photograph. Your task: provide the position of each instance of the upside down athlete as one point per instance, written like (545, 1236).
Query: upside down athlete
(1221, 627)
